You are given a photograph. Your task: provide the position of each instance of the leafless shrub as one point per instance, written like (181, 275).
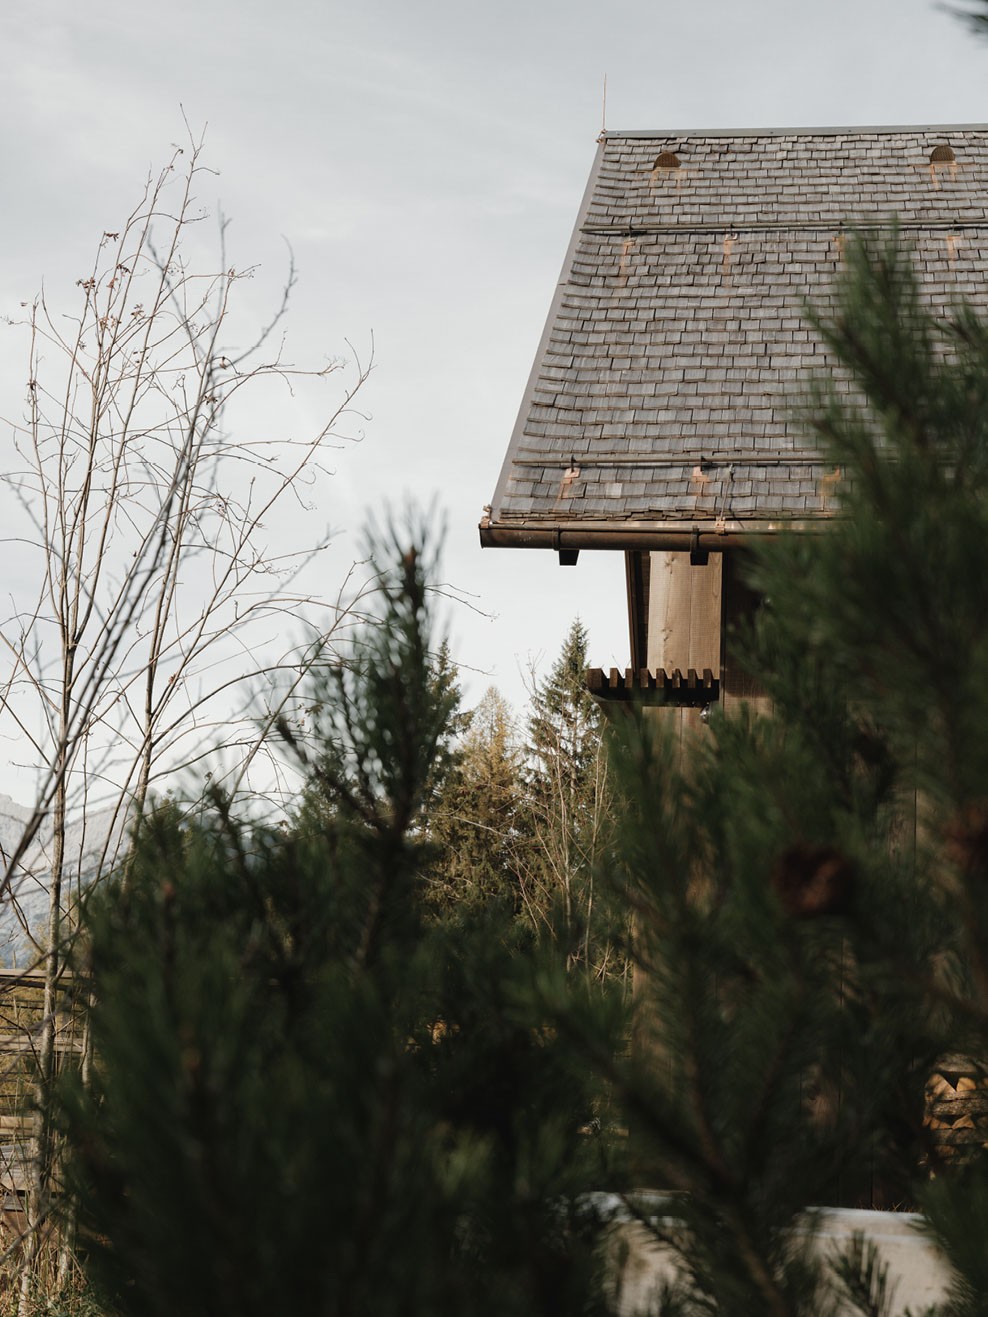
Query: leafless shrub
(154, 624)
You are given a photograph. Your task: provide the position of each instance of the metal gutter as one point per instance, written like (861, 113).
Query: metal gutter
(640, 536)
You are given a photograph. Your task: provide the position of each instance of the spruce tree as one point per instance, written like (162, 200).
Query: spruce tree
(477, 825)
(568, 806)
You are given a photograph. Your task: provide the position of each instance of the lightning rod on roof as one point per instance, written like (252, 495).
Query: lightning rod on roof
(603, 109)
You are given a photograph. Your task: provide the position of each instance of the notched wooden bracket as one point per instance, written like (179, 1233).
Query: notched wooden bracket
(690, 690)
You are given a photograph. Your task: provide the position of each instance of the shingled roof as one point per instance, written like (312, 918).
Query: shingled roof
(661, 401)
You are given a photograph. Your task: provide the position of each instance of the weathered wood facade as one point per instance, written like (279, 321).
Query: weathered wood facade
(21, 1017)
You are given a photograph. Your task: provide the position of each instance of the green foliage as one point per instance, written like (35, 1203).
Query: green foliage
(525, 824)
(864, 1279)
(477, 825)
(564, 728)
(811, 888)
(569, 815)
(976, 16)
(309, 1094)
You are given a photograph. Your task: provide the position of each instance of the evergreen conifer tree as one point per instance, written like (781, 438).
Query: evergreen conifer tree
(477, 824)
(309, 1095)
(811, 888)
(569, 812)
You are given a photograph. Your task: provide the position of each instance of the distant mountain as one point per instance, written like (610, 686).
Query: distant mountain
(24, 911)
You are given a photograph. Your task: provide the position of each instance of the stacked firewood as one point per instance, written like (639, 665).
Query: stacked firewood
(957, 1107)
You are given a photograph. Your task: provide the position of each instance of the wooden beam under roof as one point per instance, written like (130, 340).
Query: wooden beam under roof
(656, 687)
(637, 567)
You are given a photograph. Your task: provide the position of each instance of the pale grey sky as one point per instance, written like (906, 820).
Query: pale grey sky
(426, 160)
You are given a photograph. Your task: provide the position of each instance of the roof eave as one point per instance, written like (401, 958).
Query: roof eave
(642, 535)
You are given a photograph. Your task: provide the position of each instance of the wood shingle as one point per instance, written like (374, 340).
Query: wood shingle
(664, 393)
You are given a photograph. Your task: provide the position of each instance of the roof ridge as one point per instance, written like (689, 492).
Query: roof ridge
(806, 131)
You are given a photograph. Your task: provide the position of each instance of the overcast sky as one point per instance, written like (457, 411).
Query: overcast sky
(426, 159)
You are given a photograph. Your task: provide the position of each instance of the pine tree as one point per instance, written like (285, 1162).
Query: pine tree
(977, 17)
(811, 888)
(308, 1094)
(445, 680)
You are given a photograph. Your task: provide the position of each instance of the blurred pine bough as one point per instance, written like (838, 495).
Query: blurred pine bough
(811, 887)
(310, 1092)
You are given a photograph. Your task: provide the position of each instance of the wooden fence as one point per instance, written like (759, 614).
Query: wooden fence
(21, 1019)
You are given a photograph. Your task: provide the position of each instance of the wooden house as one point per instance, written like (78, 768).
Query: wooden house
(659, 417)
